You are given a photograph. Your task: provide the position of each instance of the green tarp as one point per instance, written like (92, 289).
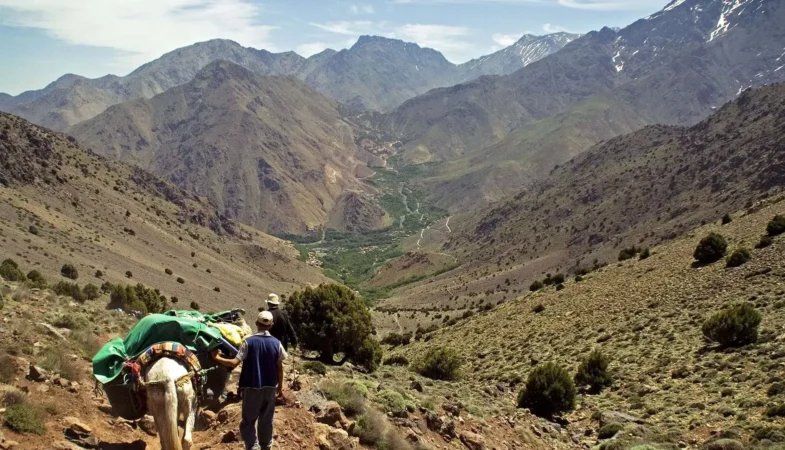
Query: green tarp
(186, 327)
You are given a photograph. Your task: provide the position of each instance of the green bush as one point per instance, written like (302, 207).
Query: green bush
(371, 427)
(392, 402)
(726, 219)
(72, 322)
(7, 369)
(645, 254)
(33, 230)
(711, 248)
(315, 367)
(25, 418)
(775, 389)
(168, 271)
(439, 363)
(69, 271)
(195, 306)
(36, 280)
(349, 396)
(765, 241)
(724, 444)
(593, 372)
(536, 286)
(773, 434)
(777, 225)
(9, 270)
(776, 410)
(369, 355)
(538, 308)
(739, 257)
(734, 327)
(396, 360)
(137, 298)
(395, 339)
(180, 280)
(69, 290)
(549, 390)
(628, 253)
(330, 319)
(98, 274)
(609, 430)
(91, 291)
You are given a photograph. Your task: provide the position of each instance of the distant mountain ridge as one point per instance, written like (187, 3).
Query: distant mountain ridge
(266, 150)
(376, 73)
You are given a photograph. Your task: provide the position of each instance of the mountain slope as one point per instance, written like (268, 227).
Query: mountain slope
(673, 67)
(638, 189)
(528, 49)
(266, 150)
(61, 204)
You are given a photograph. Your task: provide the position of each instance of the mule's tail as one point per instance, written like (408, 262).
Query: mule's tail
(166, 414)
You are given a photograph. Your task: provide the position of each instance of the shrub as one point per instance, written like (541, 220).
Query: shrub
(776, 410)
(98, 274)
(579, 278)
(72, 322)
(711, 248)
(57, 361)
(315, 367)
(195, 306)
(87, 341)
(168, 271)
(9, 270)
(645, 254)
(549, 390)
(724, 444)
(739, 257)
(628, 253)
(25, 418)
(557, 279)
(392, 402)
(593, 372)
(439, 364)
(775, 389)
(396, 360)
(734, 327)
(538, 308)
(777, 225)
(36, 280)
(69, 271)
(91, 291)
(137, 298)
(609, 430)
(180, 280)
(33, 230)
(536, 286)
(330, 319)
(217, 289)
(368, 355)
(7, 369)
(765, 241)
(347, 395)
(371, 427)
(129, 274)
(70, 290)
(726, 219)
(395, 339)
(174, 300)
(13, 397)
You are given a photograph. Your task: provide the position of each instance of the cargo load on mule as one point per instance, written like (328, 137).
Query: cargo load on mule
(188, 336)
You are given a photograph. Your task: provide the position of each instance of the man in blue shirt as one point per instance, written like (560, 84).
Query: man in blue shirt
(261, 379)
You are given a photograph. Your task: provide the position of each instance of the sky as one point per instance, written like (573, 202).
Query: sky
(45, 39)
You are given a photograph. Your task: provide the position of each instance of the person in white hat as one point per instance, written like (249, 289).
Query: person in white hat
(261, 379)
(282, 327)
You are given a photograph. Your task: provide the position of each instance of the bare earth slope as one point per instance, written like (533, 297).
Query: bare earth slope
(60, 204)
(268, 151)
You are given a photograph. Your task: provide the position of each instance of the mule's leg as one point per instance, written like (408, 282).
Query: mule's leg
(187, 403)
(162, 402)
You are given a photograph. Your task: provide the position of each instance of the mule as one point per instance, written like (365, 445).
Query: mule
(167, 399)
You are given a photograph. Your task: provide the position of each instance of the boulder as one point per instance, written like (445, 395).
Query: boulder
(332, 415)
(9, 445)
(328, 438)
(473, 441)
(147, 424)
(73, 423)
(65, 445)
(54, 332)
(223, 416)
(452, 409)
(434, 422)
(620, 417)
(207, 417)
(36, 374)
(231, 436)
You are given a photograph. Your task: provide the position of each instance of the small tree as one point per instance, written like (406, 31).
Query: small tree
(739, 257)
(777, 225)
(628, 253)
(91, 291)
(369, 355)
(726, 219)
(439, 364)
(645, 253)
(549, 390)
(536, 286)
(69, 271)
(195, 306)
(9, 270)
(712, 248)
(330, 319)
(593, 372)
(70, 290)
(36, 280)
(129, 274)
(99, 274)
(734, 327)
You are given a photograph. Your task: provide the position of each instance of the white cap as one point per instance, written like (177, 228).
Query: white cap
(273, 299)
(265, 318)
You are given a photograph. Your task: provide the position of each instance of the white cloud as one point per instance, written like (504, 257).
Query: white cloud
(603, 5)
(506, 40)
(361, 9)
(311, 48)
(551, 28)
(143, 29)
(348, 28)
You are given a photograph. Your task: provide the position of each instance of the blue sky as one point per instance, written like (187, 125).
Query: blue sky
(44, 39)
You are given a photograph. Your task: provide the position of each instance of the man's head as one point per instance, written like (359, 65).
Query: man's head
(264, 321)
(273, 301)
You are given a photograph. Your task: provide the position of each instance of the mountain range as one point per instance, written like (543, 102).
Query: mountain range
(375, 73)
(674, 67)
